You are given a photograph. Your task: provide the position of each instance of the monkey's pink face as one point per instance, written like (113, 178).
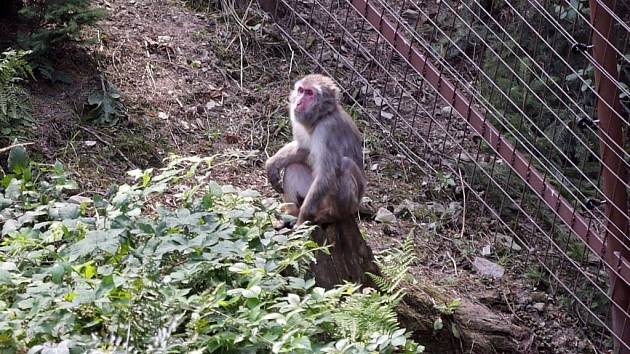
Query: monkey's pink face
(304, 98)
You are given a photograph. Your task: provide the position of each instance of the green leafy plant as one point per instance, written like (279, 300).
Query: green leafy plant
(52, 22)
(450, 308)
(394, 265)
(169, 263)
(15, 103)
(104, 106)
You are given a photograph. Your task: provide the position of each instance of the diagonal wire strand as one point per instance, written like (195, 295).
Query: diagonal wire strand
(533, 151)
(516, 106)
(378, 122)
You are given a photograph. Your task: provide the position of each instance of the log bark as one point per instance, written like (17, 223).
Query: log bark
(350, 256)
(472, 329)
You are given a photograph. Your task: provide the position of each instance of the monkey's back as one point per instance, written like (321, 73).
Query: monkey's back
(346, 138)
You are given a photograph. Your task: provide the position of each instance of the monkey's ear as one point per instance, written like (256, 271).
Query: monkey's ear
(336, 93)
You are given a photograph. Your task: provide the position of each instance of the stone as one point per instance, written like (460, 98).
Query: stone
(385, 216)
(538, 296)
(487, 268)
(539, 306)
(508, 242)
(407, 206)
(391, 230)
(366, 210)
(446, 111)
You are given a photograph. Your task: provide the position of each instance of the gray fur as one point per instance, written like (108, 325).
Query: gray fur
(328, 143)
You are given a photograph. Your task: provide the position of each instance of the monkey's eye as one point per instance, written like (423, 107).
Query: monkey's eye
(300, 90)
(308, 92)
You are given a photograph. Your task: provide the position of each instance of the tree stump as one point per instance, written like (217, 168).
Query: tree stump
(350, 256)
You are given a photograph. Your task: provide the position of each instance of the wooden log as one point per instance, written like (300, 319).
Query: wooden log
(472, 329)
(350, 256)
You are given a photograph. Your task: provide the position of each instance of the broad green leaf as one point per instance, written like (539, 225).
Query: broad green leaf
(293, 299)
(438, 324)
(252, 292)
(18, 159)
(106, 285)
(57, 271)
(13, 190)
(6, 278)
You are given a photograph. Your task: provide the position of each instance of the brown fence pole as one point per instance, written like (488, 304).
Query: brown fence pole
(611, 139)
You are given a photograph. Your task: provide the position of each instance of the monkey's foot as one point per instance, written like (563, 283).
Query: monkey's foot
(290, 209)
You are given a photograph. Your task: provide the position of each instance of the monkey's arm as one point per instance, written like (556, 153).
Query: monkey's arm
(290, 153)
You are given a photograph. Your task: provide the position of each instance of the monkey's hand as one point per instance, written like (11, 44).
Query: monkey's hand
(273, 175)
(307, 213)
(288, 154)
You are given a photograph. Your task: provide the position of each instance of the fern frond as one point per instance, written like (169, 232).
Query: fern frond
(370, 313)
(15, 106)
(394, 265)
(364, 314)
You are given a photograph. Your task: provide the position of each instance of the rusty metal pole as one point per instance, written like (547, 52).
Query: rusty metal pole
(611, 141)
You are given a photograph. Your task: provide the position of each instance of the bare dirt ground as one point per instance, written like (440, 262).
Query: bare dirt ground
(193, 83)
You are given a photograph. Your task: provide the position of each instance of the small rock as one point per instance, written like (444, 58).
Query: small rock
(164, 39)
(446, 111)
(410, 14)
(162, 115)
(485, 251)
(407, 206)
(385, 216)
(269, 202)
(390, 230)
(211, 104)
(374, 167)
(89, 143)
(454, 208)
(486, 268)
(491, 297)
(539, 296)
(77, 199)
(436, 208)
(378, 99)
(539, 306)
(366, 90)
(366, 210)
(508, 242)
(387, 115)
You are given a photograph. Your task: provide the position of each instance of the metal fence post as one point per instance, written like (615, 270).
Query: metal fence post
(614, 171)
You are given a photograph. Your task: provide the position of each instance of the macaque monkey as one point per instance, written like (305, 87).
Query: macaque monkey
(323, 165)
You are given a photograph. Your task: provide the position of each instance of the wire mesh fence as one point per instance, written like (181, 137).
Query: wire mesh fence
(527, 99)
